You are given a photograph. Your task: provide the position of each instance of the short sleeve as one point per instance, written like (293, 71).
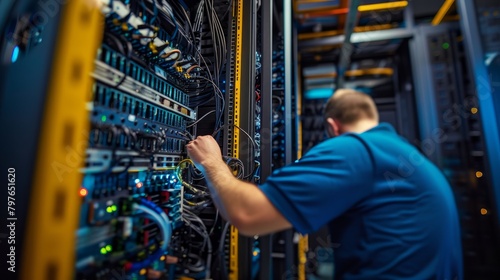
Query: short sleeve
(323, 185)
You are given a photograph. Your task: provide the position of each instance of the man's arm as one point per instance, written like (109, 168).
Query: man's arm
(241, 203)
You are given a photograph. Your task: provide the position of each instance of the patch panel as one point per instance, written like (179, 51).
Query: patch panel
(128, 110)
(102, 161)
(107, 75)
(130, 68)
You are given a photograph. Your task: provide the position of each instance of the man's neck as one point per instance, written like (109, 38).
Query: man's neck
(360, 126)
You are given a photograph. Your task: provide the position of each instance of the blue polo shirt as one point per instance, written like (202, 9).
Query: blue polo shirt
(390, 211)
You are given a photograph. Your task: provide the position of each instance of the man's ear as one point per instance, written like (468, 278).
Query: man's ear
(332, 127)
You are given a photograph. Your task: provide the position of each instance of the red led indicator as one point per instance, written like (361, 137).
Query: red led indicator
(83, 192)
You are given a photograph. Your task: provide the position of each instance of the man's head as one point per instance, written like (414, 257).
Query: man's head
(350, 111)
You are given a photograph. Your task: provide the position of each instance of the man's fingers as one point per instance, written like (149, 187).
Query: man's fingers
(199, 140)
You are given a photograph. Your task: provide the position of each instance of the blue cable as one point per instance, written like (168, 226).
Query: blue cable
(165, 225)
(139, 265)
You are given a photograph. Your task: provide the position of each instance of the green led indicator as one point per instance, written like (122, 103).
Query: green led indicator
(109, 209)
(103, 251)
(114, 208)
(103, 118)
(109, 248)
(445, 46)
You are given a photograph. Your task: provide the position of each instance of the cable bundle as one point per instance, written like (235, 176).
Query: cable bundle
(157, 215)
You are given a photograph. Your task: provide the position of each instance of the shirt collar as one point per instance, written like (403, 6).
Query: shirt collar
(382, 127)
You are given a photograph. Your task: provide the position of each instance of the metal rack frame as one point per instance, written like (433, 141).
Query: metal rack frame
(488, 111)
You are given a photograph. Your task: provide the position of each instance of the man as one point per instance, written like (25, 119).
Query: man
(390, 209)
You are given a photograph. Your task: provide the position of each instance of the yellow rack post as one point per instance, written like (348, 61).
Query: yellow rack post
(54, 204)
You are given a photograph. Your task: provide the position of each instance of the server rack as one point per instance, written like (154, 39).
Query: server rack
(273, 48)
(67, 123)
(454, 134)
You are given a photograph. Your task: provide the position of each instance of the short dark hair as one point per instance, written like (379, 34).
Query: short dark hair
(349, 106)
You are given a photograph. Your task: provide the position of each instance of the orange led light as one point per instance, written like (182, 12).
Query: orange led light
(484, 211)
(473, 110)
(83, 192)
(138, 185)
(479, 174)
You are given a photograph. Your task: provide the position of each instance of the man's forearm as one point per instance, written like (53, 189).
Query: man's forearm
(242, 204)
(231, 196)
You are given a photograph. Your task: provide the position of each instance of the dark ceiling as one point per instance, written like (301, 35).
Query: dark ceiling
(426, 8)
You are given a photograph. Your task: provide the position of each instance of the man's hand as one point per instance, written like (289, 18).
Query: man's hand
(204, 152)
